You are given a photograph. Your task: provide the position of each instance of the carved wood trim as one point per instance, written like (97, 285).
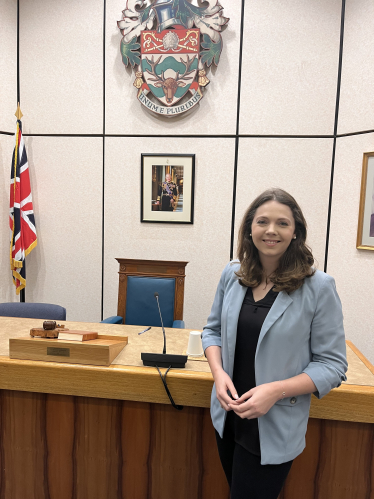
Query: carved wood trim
(179, 299)
(122, 295)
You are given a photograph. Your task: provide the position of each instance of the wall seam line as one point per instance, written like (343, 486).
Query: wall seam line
(103, 173)
(335, 133)
(18, 69)
(233, 210)
(22, 295)
(212, 136)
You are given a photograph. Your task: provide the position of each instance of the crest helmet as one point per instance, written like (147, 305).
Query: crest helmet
(165, 15)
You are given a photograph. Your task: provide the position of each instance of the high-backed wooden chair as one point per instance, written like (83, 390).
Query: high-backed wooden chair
(138, 282)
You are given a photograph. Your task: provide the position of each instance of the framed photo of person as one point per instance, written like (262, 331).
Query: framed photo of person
(365, 231)
(167, 188)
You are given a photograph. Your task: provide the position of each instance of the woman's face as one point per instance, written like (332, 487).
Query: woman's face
(273, 229)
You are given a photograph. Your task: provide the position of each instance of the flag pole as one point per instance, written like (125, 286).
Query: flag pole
(22, 296)
(22, 293)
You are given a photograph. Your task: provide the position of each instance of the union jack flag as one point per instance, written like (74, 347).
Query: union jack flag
(21, 216)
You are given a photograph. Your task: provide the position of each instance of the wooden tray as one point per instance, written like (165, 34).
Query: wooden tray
(99, 352)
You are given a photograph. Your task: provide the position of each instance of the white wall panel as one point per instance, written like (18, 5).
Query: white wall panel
(217, 111)
(290, 67)
(205, 244)
(357, 87)
(353, 269)
(302, 167)
(61, 57)
(65, 267)
(7, 289)
(8, 64)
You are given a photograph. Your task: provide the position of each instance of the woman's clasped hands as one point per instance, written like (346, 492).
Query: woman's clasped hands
(252, 404)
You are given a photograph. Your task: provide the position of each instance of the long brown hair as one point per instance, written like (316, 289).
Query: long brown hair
(294, 265)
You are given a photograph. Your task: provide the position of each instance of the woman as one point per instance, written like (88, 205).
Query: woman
(274, 336)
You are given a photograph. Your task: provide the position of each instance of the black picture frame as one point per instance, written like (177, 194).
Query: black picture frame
(167, 200)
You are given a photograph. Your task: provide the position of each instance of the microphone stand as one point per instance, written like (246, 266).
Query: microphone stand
(162, 324)
(163, 359)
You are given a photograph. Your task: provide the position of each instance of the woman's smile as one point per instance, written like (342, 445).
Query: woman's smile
(270, 242)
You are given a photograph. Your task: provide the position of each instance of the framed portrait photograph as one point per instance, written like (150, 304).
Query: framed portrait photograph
(167, 188)
(365, 231)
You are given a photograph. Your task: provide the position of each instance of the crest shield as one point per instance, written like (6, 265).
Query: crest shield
(169, 62)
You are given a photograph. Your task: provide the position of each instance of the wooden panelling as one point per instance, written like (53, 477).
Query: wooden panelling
(175, 472)
(24, 451)
(372, 474)
(337, 462)
(135, 442)
(60, 431)
(59, 447)
(214, 483)
(2, 443)
(97, 449)
(345, 460)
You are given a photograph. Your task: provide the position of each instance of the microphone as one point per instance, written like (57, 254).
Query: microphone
(163, 359)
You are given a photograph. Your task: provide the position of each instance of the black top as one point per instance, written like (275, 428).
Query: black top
(251, 318)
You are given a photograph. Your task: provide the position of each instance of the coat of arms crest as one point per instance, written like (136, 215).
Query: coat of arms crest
(177, 41)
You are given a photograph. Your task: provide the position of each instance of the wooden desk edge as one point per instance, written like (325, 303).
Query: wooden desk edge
(361, 356)
(190, 388)
(139, 370)
(114, 382)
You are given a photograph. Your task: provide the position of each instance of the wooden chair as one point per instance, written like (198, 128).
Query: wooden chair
(138, 281)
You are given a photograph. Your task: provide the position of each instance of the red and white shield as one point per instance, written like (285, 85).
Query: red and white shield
(170, 62)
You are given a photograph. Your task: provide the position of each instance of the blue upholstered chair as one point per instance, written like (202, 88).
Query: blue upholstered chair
(45, 311)
(138, 282)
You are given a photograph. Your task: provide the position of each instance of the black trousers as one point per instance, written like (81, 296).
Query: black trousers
(248, 479)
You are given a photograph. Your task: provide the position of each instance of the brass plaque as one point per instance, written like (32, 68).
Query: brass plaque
(61, 352)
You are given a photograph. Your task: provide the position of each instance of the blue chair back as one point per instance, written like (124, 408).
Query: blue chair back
(45, 311)
(141, 304)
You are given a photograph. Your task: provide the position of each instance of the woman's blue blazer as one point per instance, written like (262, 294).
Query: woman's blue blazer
(302, 333)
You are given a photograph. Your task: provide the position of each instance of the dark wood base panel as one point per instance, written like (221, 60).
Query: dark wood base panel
(66, 447)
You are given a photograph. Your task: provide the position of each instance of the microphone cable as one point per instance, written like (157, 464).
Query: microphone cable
(163, 377)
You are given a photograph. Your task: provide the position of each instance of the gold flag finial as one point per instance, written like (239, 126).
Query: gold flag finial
(18, 113)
